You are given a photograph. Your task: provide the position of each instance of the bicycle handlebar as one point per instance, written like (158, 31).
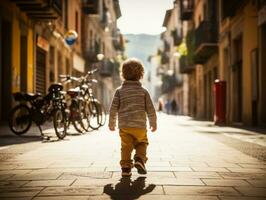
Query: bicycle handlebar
(64, 76)
(67, 78)
(92, 71)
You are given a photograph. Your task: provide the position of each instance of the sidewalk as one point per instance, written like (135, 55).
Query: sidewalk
(185, 162)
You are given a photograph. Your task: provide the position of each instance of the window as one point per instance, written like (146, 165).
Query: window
(91, 40)
(59, 63)
(51, 62)
(103, 48)
(68, 71)
(66, 14)
(199, 19)
(205, 14)
(77, 22)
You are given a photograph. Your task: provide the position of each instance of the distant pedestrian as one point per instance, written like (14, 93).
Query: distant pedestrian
(174, 107)
(132, 102)
(160, 106)
(168, 106)
(177, 108)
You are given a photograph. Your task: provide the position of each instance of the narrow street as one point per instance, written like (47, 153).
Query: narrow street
(187, 160)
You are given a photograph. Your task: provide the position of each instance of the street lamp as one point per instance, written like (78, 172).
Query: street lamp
(176, 54)
(100, 57)
(170, 72)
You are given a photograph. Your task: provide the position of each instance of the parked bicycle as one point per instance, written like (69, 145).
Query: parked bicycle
(77, 113)
(38, 109)
(93, 110)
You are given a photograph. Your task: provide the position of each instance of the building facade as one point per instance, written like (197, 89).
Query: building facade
(103, 37)
(241, 61)
(23, 58)
(33, 50)
(225, 41)
(174, 85)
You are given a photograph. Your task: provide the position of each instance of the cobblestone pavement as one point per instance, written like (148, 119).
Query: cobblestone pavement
(188, 160)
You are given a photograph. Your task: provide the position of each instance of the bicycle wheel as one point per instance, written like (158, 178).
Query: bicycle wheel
(76, 116)
(94, 115)
(20, 120)
(102, 114)
(85, 115)
(59, 120)
(68, 122)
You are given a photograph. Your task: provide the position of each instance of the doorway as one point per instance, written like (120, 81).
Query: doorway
(23, 63)
(205, 96)
(5, 69)
(254, 78)
(41, 71)
(262, 81)
(237, 80)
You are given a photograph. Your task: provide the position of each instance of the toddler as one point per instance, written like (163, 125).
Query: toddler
(133, 104)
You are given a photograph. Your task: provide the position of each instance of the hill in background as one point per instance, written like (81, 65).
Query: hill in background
(142, 46)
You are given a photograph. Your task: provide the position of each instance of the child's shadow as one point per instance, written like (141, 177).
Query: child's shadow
(127, 189)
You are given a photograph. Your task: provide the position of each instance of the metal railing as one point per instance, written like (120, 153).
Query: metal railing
(184, 65)
(186, 9)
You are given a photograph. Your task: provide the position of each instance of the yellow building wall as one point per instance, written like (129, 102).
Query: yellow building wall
(249, 43)
(15, 55)
(16, 33)
(30, 72)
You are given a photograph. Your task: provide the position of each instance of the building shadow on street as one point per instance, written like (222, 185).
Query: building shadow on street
(128, 189)
(12, 140)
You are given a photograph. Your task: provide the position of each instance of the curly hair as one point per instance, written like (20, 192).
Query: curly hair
(132, 69)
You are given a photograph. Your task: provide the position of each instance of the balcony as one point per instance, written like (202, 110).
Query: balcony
(118, 43)
(167, 46)
(206, 38)
(230, 7)
(177, 37)
(170, 82)
(185, 67)
(91, 54)
(40, 9)
(261, 3)
(117, 39)
(106, 68)
(165, 58)
(105, 18)
(186, 9)
(90, 7)
(117, 9)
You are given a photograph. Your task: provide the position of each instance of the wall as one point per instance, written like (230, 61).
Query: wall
(30, 72)
(15, 55)
(249, 43)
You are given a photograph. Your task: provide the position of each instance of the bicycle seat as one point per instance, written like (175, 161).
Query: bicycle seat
(73, 92)
(31, 96)
(55, 87)
(20, 96)
(84, 86)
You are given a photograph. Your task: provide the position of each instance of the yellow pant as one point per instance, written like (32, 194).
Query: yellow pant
(133, 138)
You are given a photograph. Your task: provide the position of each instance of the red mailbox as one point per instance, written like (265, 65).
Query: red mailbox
(220, 101)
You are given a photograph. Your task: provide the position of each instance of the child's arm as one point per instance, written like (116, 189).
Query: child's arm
(151, 112)
(113, 111)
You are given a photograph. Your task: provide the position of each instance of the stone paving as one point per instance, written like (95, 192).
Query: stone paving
(184, 163)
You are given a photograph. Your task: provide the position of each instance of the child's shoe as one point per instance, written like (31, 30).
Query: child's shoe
(139, 164)
(126, 172)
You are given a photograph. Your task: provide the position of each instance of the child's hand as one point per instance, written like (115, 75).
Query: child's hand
(111, 128)
(153, 128)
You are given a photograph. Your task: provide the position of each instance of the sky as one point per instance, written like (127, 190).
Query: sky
(143, 16)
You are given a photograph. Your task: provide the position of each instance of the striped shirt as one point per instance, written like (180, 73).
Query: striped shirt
(133, 104)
